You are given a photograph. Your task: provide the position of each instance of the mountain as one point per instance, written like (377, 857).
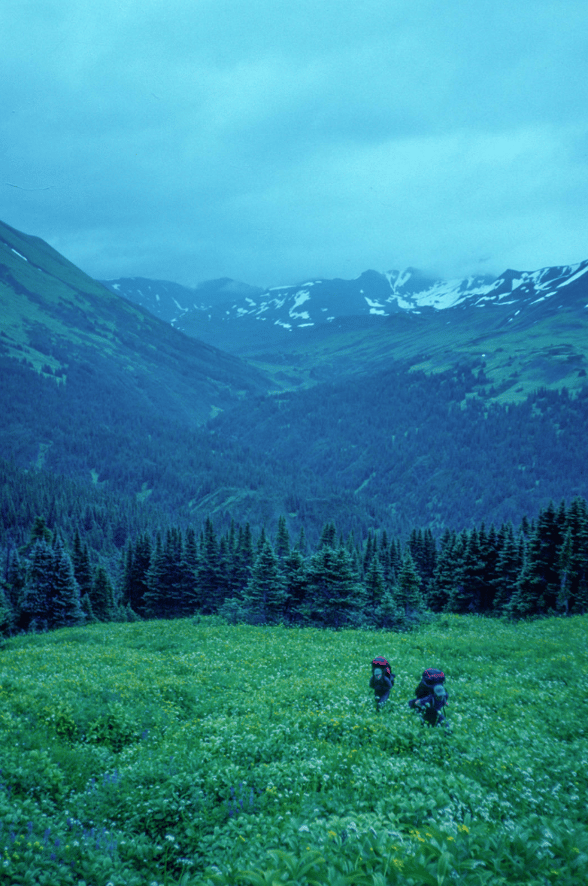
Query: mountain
(172, 301)
(115, 422)
(529, 328)
(55, 319)
(101, 394)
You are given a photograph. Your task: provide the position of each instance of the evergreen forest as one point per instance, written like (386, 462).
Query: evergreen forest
(539, 568)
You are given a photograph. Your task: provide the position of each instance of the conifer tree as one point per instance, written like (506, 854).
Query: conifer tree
(371, 549)
(301, 543)
(295, 582)
(538, 587)
(134, 586)
(102, 595)
(266, 593)
(65, 605)
(225, 568)
(334, 596)
(81, 563)
(374, 585)
(282, 547)
(243, 563)
(466, 595)
(573, 560)
(508, 567)
(154, 599)
(40, 531)
(15, 583)
(37, 593)
(189, 573)
(447, 574)
(328, 536)
(7, 614)
(209, 590)
(407, 595)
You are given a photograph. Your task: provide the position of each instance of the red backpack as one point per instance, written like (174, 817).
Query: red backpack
(431, 677)
(380, 662)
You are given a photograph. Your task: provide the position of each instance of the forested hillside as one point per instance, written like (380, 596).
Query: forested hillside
(122, 439)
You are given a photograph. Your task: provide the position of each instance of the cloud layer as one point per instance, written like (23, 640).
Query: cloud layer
(192, 139)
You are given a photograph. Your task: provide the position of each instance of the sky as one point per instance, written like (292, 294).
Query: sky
(276, 142)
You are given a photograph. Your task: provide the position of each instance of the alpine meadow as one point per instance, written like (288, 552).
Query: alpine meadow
(219, 505)
(193, 752)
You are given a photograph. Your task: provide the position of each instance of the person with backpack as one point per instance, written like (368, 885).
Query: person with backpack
(382, 681)
(431, 697)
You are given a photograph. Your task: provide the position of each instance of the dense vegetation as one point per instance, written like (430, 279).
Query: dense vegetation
(393, 449)
(539, 569)
(209, 755)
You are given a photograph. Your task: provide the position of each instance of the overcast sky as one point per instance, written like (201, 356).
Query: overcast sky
(274, 141)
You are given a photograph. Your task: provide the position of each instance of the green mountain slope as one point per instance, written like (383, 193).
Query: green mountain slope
(53, 316)
(401, 424)
(535, 349)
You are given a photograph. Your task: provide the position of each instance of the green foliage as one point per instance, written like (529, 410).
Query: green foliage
(197, 754)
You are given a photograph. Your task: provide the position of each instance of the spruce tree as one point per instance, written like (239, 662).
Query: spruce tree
(7, 614)
(334, 597)
(81, 563)
(508, 567)
(447, 574)
(538, 587)
(209, 586)
(466, 595)
(243, 562)
(134, 585)
(65, 604)
(189, 573)
(407, 595)
(328, 536)
(295, 581)
(154, 601)
(374, 585)
(282, 546)
(265, 596)
(573, 560)
(102, 596)
(15, 583)
(36, 609)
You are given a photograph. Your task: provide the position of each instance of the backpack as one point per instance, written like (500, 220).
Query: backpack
(380, 662)
(431, 677)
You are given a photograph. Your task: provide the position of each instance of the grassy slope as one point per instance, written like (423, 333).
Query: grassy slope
(519, 356)
(53, 314)
(141, 753)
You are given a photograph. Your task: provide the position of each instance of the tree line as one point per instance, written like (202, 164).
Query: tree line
(541, 568)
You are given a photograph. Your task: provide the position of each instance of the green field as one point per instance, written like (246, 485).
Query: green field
(200, 753)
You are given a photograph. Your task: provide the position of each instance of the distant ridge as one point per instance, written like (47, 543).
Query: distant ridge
(238, 317)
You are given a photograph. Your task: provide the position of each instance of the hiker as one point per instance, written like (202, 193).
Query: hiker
(431, 697)
(382, 681)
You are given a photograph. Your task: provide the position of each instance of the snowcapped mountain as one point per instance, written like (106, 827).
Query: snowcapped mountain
(170, 301)
(229, 314)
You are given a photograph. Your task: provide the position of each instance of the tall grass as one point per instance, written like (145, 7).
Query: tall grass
(196, 752)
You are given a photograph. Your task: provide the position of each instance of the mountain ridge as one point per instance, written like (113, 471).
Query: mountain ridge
(371, 422)
(371, 292)
(529, 327)
(53, 313)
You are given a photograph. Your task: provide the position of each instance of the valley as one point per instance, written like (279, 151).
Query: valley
(118, 426)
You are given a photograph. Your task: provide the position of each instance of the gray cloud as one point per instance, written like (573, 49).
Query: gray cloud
(272, 142)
